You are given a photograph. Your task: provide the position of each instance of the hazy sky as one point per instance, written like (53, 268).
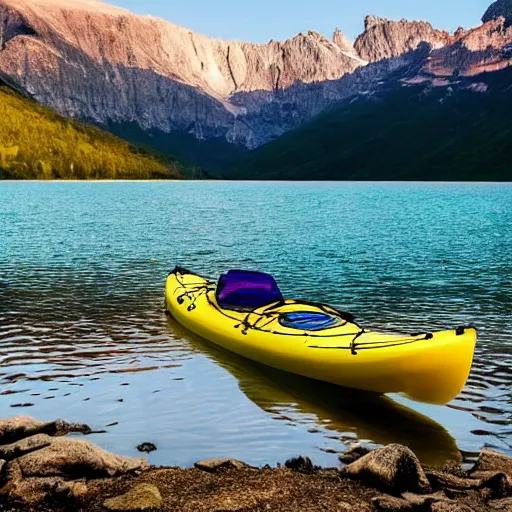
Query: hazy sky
(261, 20)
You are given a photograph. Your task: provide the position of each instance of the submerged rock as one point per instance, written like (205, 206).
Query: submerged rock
(394, 468)
(141, 497)
(146, 447)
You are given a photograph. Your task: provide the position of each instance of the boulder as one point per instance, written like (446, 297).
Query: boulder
(497, 486)
(20, 427)
(492, 461)
(300, 464)
(214, 465)
(141, 497)
(394, 468)
(73, 458)
(353, 454)
(24, 446)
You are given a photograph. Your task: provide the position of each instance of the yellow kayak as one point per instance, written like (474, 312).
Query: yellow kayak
(245, 313)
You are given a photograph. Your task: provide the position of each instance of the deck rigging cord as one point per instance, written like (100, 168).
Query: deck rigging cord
(271, 313)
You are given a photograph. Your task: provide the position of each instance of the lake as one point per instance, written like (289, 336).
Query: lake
(84, 334)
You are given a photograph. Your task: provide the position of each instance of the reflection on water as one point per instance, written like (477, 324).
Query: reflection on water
(342, 411)
(83, 333)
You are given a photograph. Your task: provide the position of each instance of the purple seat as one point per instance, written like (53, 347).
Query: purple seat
(246, 290)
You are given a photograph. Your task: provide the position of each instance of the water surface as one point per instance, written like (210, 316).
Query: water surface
(83, 333)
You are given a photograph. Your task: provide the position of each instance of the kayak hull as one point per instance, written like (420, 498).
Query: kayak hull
(430, 367)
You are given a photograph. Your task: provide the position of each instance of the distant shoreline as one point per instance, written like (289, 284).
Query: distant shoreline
(262, 181)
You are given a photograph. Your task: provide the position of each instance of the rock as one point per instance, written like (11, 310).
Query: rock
(342, 42)
(24, 446)
(385, 39)
(424, 500)
(497, 486)
(450, 506)
(501, 8)
(146, 447)
(214, 465)
(391, 503)
(504, 505)
(19, 427)
(355, 453)
(300, 464)
(72, 458)
(70, 490)
(394, 468)
(32, 491)
(441, 480)
(371, 21)
(492, 461)
(141, 497)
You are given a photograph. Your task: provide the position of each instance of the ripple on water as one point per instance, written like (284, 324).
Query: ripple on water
(83, 333)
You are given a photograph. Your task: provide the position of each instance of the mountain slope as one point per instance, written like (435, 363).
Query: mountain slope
(435, 130)
(36, 143)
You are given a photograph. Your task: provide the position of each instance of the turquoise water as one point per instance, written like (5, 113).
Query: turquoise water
(83, 333)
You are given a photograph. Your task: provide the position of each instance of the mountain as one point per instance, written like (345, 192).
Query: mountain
(438, 129)
(211, 101)
(101, 63)
(36, 143)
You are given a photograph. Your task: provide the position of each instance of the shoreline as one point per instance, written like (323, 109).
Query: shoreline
(186, 180)
(42, 470)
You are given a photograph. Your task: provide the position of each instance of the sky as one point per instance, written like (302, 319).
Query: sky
(261, 20)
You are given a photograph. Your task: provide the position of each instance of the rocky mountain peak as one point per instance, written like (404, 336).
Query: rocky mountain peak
(500, 8)
(371, 21)
(384, 39)
(342, 42)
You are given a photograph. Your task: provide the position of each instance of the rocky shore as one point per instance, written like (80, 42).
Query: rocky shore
(41, 469)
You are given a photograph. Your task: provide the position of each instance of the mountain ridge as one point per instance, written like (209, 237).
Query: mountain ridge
(102, 64)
